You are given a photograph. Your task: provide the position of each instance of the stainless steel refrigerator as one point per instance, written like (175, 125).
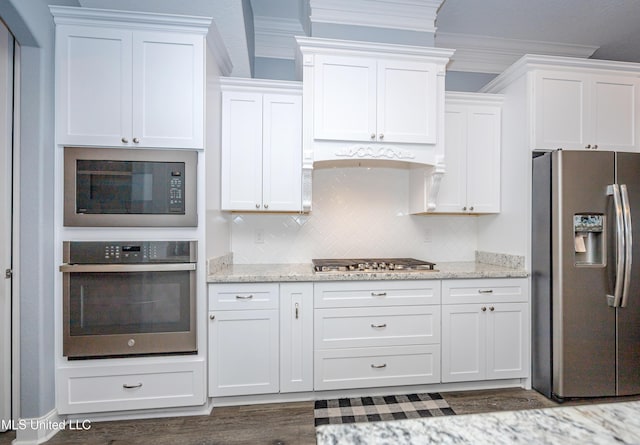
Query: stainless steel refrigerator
(585, 274)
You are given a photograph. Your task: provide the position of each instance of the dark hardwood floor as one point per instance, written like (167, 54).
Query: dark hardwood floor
(272, 424)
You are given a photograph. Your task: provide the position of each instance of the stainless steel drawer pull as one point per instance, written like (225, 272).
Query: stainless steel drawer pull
(383, 325)
(297, 310)
(384, 365)
(125, 386)
(378, 294)
(244, 297)
(485, 291)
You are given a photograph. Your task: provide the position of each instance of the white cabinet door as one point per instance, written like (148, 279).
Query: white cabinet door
(463, 342)
(452, 196)
(282, 152)
(93, 86)
(344, 98)
(296, 337)
(243, 352)
(483, 159)
(118, 87)
(615, 107)
(168, 90)
(406, 102)
(507, 340)
(241, 151)
(471, 183)
(561, 107)
(586, 111)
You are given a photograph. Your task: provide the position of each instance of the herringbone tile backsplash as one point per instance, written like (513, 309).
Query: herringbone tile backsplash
(357, 212)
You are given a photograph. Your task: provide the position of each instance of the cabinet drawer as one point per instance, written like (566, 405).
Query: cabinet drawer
(376, 326)
(376, 293)
(243, 296)
(513, 290)
(371, 367)
(130, 387)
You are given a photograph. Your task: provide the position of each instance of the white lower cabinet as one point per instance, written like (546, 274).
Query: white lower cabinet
(381, 333)
(260, 338)
(118, 387)
(243, 342)
(485, 329)
(296, 337)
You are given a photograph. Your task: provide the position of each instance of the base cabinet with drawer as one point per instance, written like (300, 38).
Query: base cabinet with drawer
(115, 386)
(376, 333)
(243, 339)
(260, 338)
(485, 329)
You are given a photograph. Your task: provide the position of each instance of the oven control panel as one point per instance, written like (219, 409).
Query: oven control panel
(128, 252)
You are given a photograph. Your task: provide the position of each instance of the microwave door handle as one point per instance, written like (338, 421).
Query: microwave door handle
(628, 230)
(107, 268)
(615, 299)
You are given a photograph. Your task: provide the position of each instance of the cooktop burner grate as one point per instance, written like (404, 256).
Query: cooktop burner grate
(371, 265)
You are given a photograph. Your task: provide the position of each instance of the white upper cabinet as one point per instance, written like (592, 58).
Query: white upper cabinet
(261, 145)
(364, 99)
(120, 83)
(372, 101)
(471, 183)
(583, 110)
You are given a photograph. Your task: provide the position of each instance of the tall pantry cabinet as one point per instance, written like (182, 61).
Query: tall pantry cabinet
(128, 80)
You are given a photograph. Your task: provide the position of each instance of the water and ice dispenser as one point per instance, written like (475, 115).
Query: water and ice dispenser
(589, 239)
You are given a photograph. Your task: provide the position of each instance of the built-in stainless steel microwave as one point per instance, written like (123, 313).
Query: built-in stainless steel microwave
(129, 187)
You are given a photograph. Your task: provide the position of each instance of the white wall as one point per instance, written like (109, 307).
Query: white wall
(32, 24)
(357, 212)
(509, 231)
(218, 232)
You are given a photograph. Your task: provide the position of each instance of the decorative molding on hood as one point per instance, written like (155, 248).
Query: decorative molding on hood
(370, 152)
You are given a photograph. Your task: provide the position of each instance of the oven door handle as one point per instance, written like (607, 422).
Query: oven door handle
(106, 268)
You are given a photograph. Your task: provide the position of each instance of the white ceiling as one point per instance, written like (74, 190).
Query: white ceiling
(478, 29)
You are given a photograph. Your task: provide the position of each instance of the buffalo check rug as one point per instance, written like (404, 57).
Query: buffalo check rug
(372, 409)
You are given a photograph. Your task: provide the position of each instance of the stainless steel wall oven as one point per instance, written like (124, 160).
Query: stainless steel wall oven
(129, 298)
(132, 187)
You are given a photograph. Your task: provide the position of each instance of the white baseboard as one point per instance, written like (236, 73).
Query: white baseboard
(39, 429)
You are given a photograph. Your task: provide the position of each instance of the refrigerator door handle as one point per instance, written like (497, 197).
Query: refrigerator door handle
(628, 230)
(616, 299)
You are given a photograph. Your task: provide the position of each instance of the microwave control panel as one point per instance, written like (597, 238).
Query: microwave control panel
(176, 192)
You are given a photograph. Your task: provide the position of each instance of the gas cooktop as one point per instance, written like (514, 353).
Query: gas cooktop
(371, 265)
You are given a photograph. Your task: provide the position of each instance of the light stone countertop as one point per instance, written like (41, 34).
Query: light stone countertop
(612, 423)
(255, 273)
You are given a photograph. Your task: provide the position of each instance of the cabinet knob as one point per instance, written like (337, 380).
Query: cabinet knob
(136, 140)
(483, 309)
(595, 147)
(471, 208)
(381, 136)
(257, 206)
(266, 206)
(587, 146)
(212, 317)
(373, 135)
(464, 209)
(125, 140)
(491, 308)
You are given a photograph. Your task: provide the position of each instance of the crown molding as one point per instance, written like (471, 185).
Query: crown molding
(73, 15)
(483, 54)
(530, 62)
(219, 50)
(408, 15)
(274, 37)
